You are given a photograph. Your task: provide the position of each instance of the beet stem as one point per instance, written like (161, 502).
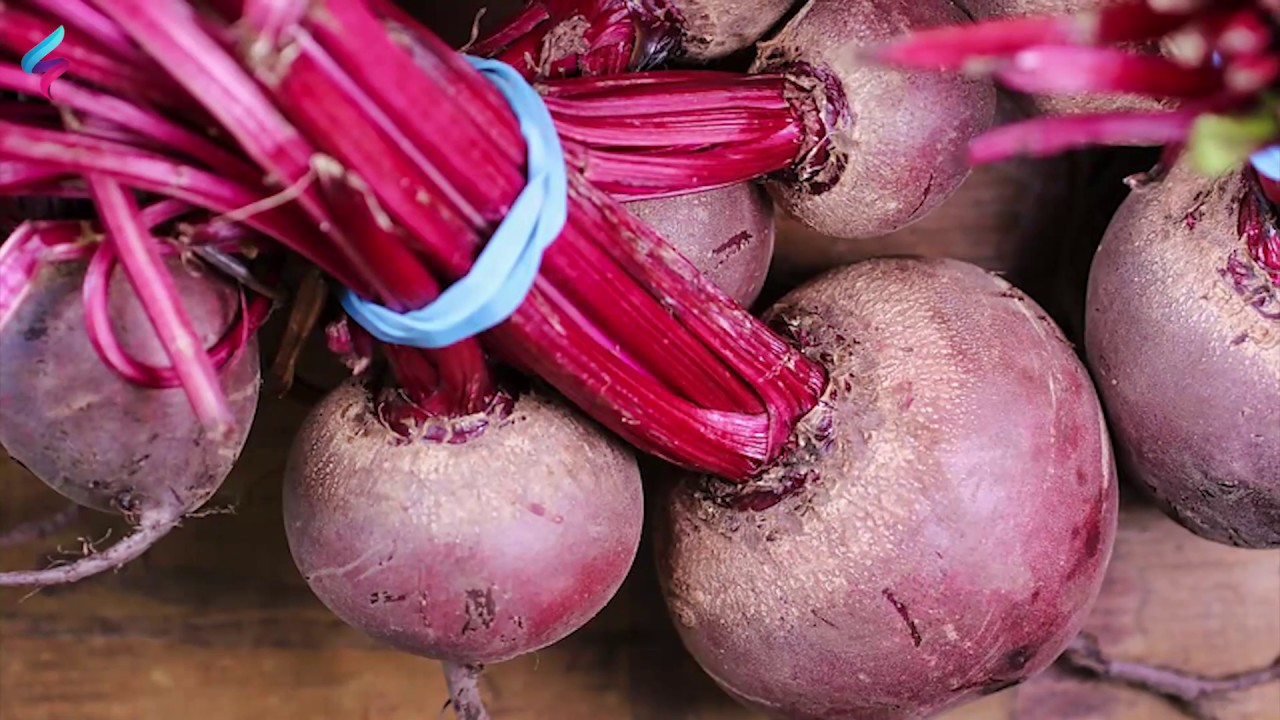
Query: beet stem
(957, 47)
(170, 30)
(73, 153)
(146, 534)
(1045, 136)
(464, 691)
(20, 256)
(146, 123)
(726, 406)
(98, 326)
(159, 297)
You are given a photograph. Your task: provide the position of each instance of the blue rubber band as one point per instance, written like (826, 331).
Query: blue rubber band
(503, 274)
(1267, 162)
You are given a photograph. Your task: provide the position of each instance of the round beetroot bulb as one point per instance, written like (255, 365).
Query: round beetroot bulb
(899, 140)
(91, 435)
(951, 510)
(471, 552)
(1183, 333)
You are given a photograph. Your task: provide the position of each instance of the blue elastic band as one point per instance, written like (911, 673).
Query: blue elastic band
(1267, 162)
(501, 277)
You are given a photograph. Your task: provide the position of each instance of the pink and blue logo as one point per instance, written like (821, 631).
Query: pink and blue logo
(34, 63)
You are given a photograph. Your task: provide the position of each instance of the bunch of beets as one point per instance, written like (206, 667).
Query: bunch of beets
(889, 491)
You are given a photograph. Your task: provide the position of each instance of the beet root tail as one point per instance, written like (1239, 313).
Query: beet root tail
(464, 691)
(1184, 689)
(132, 546)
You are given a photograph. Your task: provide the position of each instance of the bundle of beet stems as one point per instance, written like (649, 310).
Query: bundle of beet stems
(343, 143)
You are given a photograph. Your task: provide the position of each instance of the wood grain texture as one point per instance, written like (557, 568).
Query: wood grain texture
(216, 624)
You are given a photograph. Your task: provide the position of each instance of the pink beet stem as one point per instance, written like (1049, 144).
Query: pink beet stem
(630, 176)
(79, 154)
(141, 120)
(1251, 76)
(95, 293)
(732, 442)
(159, 298)
(619, 321)
(458, 373)
(1081, 70)
(1042, 137)
(169, 30)
(19, 260)
(80, 17)
(461, 368)
(1243, 33)
(23, 178)
(462, 371)
(208, 73)
(647, 135)
(533, 15)
(271, 19)
(366, 100)
(618, 35)
(956, 47)
(665, 91)
(377, 160)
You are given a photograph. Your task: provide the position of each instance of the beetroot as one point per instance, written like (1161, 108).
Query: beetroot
(942, 526)
(1183, 333)
(726, 233)
(469, 540)
(100, 440)
(1004, 218)
(897, 146)
(716, 28)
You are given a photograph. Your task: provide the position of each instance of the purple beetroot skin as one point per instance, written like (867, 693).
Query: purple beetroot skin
(726, 233)
(1183, 334)
(470, 552)
(943, 526)
(100, 440)
(898, 140)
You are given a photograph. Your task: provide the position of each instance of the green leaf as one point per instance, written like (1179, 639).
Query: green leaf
(1221, 143)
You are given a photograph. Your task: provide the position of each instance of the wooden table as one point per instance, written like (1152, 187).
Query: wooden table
(217, 624)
